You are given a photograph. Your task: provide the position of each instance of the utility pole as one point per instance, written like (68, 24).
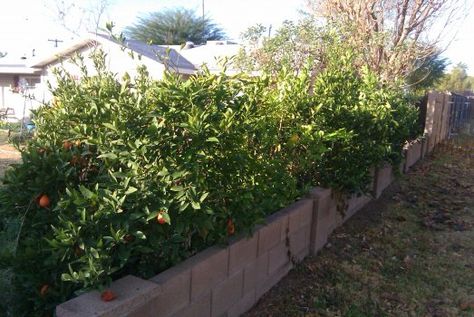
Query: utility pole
(203, 13)
(56, 41)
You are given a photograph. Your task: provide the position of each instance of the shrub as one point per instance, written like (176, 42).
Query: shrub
(142, 174)
(132, 176)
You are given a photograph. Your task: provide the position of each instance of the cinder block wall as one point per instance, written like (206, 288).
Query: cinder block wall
(228, 281)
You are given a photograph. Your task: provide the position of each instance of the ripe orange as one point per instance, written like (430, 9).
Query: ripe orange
(107, 296)
(67, 145)
(43, 201)
(230, 227)
(161, 219)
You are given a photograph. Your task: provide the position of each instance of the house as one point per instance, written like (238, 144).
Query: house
(18, 82)
(185, 60)
(211, 55)
(118, 58)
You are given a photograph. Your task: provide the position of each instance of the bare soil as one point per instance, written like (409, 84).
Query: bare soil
(8, 154)
(410, 253)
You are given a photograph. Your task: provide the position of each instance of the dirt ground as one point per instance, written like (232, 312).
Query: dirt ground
(410, 253)
(8, 154)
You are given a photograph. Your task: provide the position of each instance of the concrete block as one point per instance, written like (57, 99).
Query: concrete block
(272, 280)
(226, 294)
(383, 178)
(176, 288)
(300, 214)
(299, 243)
(324, 217)
(270, 235)
(277, 258)
(245, 303)
(242, 252)
(282, 217)
(132, 294)
(413, 154)
(354, 204)
(209, 267)
(262, 264)
(424, 147)
(200, 306)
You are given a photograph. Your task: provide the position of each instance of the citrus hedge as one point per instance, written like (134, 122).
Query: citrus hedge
(134, 175)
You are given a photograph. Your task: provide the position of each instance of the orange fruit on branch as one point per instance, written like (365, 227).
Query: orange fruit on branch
(67, 145)
(43, 201)
(230, 227)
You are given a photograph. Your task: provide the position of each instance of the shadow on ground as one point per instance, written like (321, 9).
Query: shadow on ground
(410, 253)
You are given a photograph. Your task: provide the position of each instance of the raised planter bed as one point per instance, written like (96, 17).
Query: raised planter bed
(227, 281)
(413, 154)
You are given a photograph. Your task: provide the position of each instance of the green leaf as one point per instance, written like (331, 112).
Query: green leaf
(66, 277)
(94, 253)
(140, 235)
(86, 192)
(130, 190)
(110, 126)
(111, 156)
(203, 197)
(213, 140)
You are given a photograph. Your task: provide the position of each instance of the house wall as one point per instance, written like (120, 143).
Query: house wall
(118, 61)
(15, 100)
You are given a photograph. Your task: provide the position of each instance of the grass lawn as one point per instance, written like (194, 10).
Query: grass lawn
(411, 253)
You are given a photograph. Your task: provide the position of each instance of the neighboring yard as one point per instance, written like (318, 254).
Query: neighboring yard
(411, 253)
(8, 154)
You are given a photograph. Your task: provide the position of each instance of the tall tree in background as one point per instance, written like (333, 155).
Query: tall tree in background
(428, 72)
(457, 80)
(174, 26)
(391, 36)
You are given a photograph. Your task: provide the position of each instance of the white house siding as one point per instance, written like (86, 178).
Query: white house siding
(16, 100)
(118, 61)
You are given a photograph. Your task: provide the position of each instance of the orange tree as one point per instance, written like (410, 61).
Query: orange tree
(134, 176)
(131, 176)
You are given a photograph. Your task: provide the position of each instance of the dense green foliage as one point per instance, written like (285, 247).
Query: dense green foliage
(457, 80)
(141, 174)
(427, 74)
(175, 26)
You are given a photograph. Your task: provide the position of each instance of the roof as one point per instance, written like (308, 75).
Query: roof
(212, 55)
(64, 52)
(181, 59)
(18, 69)
(157, 53)
(160, 53)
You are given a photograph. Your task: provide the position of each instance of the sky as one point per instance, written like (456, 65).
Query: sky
(29, 24)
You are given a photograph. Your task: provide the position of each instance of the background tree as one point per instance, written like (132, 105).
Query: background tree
(390, 36)
(3, 54)
(427, 74)
(79, 16)
(457, 80)
(292, 46)
(174, 26)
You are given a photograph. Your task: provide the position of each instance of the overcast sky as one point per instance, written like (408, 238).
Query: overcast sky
(28, 24)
